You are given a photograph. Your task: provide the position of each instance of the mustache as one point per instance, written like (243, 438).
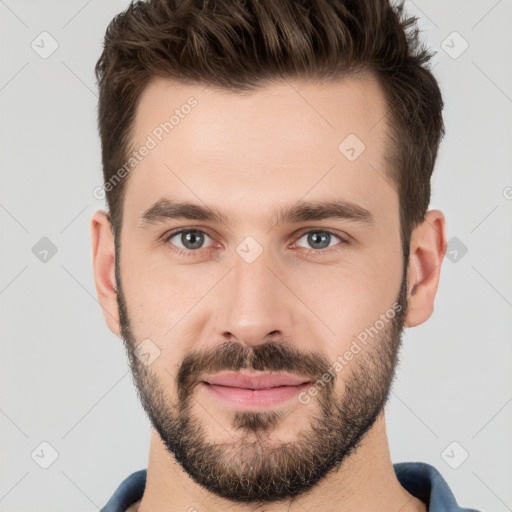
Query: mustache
(273, 356)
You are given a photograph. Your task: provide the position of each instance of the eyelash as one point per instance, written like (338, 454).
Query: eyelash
(191, 253)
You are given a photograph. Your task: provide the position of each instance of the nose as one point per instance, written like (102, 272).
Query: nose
(254, 304)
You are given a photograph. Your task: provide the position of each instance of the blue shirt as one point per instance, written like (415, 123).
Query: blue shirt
(418, 478)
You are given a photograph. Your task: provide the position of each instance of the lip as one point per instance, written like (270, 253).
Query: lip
(249, 381)
(253, 392)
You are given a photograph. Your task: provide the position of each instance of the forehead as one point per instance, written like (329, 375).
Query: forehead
(272, 145)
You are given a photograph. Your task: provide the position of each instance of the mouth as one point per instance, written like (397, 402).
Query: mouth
(242, 391)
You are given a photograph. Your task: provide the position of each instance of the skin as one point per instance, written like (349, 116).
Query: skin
(249, 155)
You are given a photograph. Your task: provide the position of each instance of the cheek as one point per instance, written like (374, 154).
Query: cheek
(164, 301)
(364, 281)
(351, 296)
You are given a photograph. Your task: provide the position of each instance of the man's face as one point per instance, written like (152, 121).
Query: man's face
(261, 291)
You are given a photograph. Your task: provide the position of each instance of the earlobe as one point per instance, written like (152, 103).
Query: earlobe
(103, 260)
(428, 247)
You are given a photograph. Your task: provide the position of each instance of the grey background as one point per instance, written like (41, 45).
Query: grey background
(64, 376)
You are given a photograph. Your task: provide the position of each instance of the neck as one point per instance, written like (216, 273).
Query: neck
(365, 482)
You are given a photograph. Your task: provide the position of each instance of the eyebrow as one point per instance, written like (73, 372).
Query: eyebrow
(301, 211)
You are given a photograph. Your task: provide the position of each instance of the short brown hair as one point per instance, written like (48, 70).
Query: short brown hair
(240, 45)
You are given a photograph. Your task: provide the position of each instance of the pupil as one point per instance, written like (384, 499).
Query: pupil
(192, 238)
(314, 239)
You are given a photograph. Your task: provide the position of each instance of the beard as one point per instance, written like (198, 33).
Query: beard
(254, 466)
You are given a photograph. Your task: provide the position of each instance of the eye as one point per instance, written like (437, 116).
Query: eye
(321, 239)
(188, 239)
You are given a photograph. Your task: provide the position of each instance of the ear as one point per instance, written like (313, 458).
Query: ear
(428, 247)
(103, 261)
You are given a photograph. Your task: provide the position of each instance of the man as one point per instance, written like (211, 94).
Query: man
(267, 168)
